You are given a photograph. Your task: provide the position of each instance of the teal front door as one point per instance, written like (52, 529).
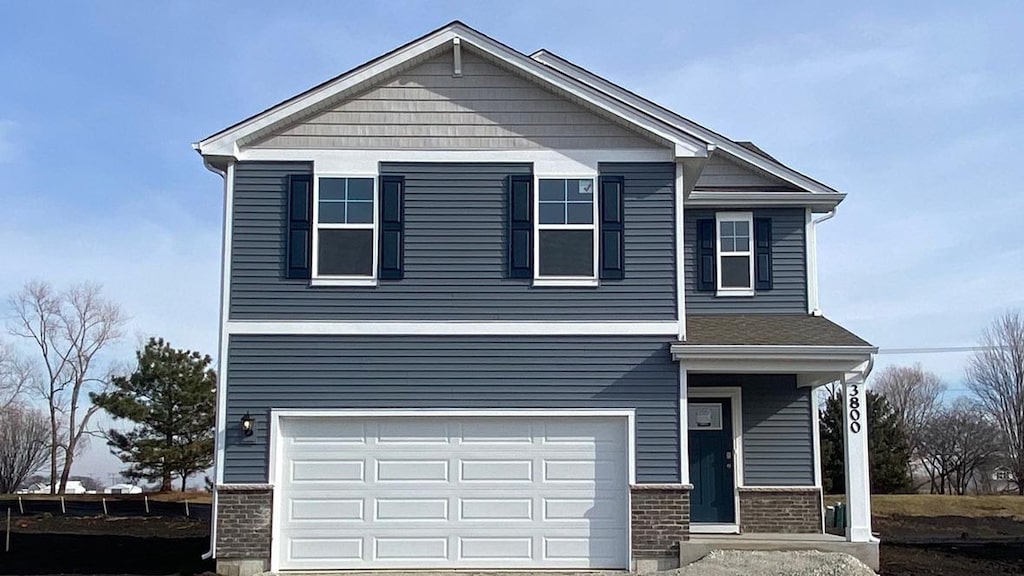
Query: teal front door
(711, 461)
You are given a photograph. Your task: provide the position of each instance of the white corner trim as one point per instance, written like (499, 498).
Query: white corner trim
(735, 395)
(616, 328)
(680, 234)
(684, 428)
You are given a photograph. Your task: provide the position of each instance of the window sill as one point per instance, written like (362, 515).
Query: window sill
(566, 282)
(724, 293)
(352, 282)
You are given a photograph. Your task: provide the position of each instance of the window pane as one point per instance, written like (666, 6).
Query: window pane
(360, 189)
(552, 190)
(332, 188)
(360, 212)
(728, 245)
(552, 213)
(567, 253)
(742, 228)
(345, 253)
(727, 229)
(580, 190)
(735, 272)
(581, 213)
(742, 244)
(332, 212)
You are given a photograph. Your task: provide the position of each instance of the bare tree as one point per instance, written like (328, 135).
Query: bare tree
(24, 441)
(916, 396)
(957, 444)
(15, 374)
(69, 330)
(995, 374)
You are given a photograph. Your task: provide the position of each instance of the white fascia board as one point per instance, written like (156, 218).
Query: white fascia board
(815, 365)
(615, 328)
(226, 142)
(774, 168)
(819, 202)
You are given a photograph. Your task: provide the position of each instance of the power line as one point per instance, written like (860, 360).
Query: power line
(936, 350)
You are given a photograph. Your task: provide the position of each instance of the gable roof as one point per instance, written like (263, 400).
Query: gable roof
(692, 143)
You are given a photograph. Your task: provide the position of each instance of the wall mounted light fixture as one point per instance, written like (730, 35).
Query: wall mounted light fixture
(248, 425)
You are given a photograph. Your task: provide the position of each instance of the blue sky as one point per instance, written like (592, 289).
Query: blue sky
(914, 109)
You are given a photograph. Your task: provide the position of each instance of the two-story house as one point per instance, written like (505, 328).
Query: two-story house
(483, 309)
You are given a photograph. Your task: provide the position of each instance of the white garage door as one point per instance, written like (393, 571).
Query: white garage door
(452, 492)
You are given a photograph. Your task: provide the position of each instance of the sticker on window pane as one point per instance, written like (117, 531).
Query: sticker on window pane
(584, 187)
(704, 416)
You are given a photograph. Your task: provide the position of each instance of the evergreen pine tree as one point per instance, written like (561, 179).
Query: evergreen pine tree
(170, 397)
(888, 451)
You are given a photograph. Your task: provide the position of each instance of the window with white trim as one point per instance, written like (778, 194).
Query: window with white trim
(566, 230)
(345, 239)
(734, 235)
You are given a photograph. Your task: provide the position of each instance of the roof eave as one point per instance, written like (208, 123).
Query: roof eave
(713, 138)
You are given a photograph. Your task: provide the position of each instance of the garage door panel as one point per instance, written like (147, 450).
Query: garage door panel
(327, 471)
(412, 471)
(492, 493)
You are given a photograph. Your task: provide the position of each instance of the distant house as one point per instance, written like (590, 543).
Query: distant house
(122, 489)
(73, 487)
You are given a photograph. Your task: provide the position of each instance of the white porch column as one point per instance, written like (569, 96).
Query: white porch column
(858, 484)
(684, 429)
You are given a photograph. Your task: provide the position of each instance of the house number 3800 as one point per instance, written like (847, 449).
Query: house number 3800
(854, 407)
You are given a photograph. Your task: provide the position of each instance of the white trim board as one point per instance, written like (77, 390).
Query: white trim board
(735, 395)
(276, 449)
(616, 328)
(544, 160)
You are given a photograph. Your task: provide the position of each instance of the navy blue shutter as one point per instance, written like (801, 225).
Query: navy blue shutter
(520, 226)
(299, 242)
(706, 255)
(392, 227)
(613, 243)
(763, 253)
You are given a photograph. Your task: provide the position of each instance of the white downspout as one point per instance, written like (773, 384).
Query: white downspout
(213, 505)
(813, 305)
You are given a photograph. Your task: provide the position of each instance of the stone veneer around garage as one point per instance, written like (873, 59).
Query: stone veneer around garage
(244, 528)
(660, 520)
(790, 510)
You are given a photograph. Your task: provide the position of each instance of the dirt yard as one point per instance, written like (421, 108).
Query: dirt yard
(67, 545)
(925, 535)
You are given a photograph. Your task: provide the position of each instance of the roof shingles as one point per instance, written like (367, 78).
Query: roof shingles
(767, 330)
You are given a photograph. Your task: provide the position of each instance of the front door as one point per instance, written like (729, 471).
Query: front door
(711, 461)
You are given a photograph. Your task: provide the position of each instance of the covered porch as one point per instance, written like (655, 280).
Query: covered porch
(748, 404)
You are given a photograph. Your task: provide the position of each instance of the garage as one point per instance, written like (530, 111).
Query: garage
(440, 490)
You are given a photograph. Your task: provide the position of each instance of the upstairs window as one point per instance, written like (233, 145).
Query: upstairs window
(345, 247)
(566, 232)
(735, 249)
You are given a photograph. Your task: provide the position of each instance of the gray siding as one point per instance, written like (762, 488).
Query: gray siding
(722, 172)
(487, 108)
(778, 442)
(789, 268)
(323, 372)
(455, 254)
